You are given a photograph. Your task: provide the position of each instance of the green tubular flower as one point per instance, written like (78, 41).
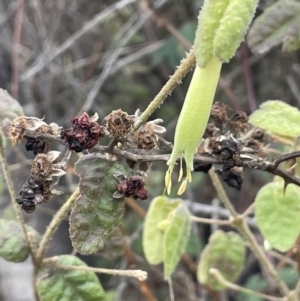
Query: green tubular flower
(221, 28)
(193, 117)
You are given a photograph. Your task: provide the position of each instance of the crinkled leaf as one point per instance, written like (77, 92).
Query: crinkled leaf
(176, 238)
(68, 285)
(278, 214)
(9, 109)
(153, 236)
(271, 28)
(96, 213)
(13, 244)
(277, 117)
(225, 252)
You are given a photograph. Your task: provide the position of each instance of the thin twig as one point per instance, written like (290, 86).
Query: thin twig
(238, 288)
(242, 226)
(210, 221)
(55, 222)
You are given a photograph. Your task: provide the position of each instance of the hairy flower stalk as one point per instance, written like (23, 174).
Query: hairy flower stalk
(193, 118)
(221, 28)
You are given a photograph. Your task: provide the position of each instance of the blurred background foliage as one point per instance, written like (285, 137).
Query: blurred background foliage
(60, 58)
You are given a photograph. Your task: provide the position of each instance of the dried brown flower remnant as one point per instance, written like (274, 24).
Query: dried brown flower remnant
(119, 123)
(233, 177)
(23, 123)
(146, 137)
(84, 134)
(218, 113)
(132, 187)
(239, 121)
(43, 169)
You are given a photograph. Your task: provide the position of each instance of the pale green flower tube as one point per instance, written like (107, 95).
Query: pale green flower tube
(194, 115)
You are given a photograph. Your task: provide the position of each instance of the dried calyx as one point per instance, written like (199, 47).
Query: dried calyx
(226, 140)
(37, 188)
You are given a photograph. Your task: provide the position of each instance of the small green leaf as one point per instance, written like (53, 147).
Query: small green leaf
(271, 28)
(96, 213)
(13, 244)
(277, 117)
(153, 236)
(68, 285)
(225, 252)
(9, 109)
(278, 214)
(176, 238)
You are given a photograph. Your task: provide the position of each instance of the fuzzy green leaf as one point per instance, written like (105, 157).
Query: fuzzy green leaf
(9, 109)
(277, 117)
(13, 244)
(96, 213)
(278, 214)
(225, 252)
(272, 27)
(69, 285)
(176, 238)
(153, 235)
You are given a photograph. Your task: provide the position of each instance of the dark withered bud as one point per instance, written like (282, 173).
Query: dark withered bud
(35, 145)
(254, 144)
(225, 148)
(232, 177)
(84, 134)
(28, 206)
(119, 123)
(132, 187)
(239, 121)
(202, 167)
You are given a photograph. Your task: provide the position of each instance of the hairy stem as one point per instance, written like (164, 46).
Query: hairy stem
(138, 274)
(12, 194)
(185, 66)
(238, 288)
(57, 219)
(241, 225)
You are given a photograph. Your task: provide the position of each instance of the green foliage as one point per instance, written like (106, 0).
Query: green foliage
(225, 252)
(277, 117)
(153, 236)
(259, 284)
(172, 51)
(9, 109)
(69, 285)
(221, 29)
(280, 23)
(13, 244)
(277, 214)
(176, 238)
(96, 213)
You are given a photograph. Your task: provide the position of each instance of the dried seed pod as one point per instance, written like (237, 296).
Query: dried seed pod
(84, 134)
(258, 134)
(132, 187)
(119, 123)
